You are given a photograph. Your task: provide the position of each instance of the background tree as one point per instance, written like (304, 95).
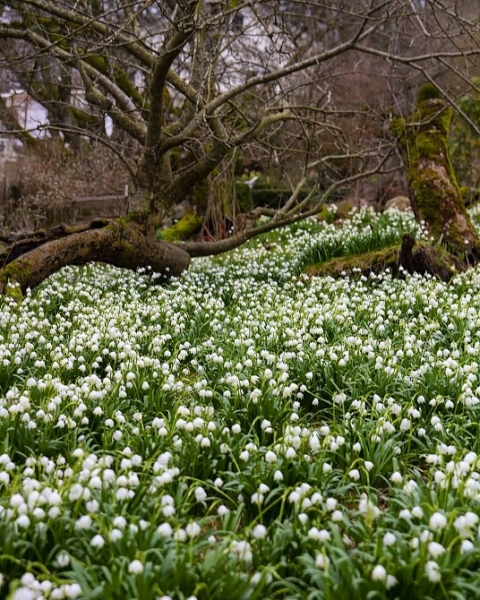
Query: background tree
(194, 83)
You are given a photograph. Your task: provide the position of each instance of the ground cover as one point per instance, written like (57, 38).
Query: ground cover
(245, 431)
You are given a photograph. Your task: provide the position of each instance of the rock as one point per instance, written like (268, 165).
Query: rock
(400, 202)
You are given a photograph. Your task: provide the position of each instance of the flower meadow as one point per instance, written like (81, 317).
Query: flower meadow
(245, 431)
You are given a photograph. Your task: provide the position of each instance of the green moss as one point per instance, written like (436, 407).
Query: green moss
(14, 291)
(376, 261)
(14, 278)
(97, 62)
(326, 215)
(428, 91)
(126, 85)
(188, 225)
(83, 118)
(423, 141)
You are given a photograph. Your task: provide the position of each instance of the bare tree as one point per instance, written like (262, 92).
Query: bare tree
(193, 82)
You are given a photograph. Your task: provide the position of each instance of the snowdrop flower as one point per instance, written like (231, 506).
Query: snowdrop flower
(331, 504)
(115, 535)
(135, 567)
(200, 494)
(432, 571)
(165, 530)
(391, 582)
(63, 559)
(435, 549)
(270, 456)
(242, 550)
(259, 532)
(322, 561)
(437, 521)
(193, 529)
(389, 539)
(97, 541)
(417, 512)
(379, 573)
(23, 521)
(466, 546)
(84, 522)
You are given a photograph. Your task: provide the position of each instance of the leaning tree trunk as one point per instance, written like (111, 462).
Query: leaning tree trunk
(423, 142)
(124, 243)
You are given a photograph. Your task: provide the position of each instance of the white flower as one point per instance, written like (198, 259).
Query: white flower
(63, 559)
(135, 567)
(331, 503)
(259, 532)
(165, 530)
(120, 522)
(278, 475)
(322, 561)
(115, 535)
(270, 456)
(98, 541)
(435, 549)
(23, 521)
(354, 474)
(417, 512)
(432, 571)
(466, 546)
(391, 581)
(379, 573)
(389, 539)
(242, 550)
(192, 529)
(437, 521)
(200, 494)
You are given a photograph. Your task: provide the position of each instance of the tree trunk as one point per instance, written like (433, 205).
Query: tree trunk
(122, 243)
(434, 192)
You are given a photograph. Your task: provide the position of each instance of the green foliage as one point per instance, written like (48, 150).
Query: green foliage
(243, 194)
(365, 234)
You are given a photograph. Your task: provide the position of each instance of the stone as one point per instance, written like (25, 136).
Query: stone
(400, 202)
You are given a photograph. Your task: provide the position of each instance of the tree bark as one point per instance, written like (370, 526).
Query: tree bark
(422, 140)
(121, 243)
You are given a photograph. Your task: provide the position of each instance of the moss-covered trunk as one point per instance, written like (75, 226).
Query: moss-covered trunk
(434, 192)
(122, 243)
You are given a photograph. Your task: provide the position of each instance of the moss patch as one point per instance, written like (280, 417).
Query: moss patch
(376, 261)
(188, 225)
(436, 198)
